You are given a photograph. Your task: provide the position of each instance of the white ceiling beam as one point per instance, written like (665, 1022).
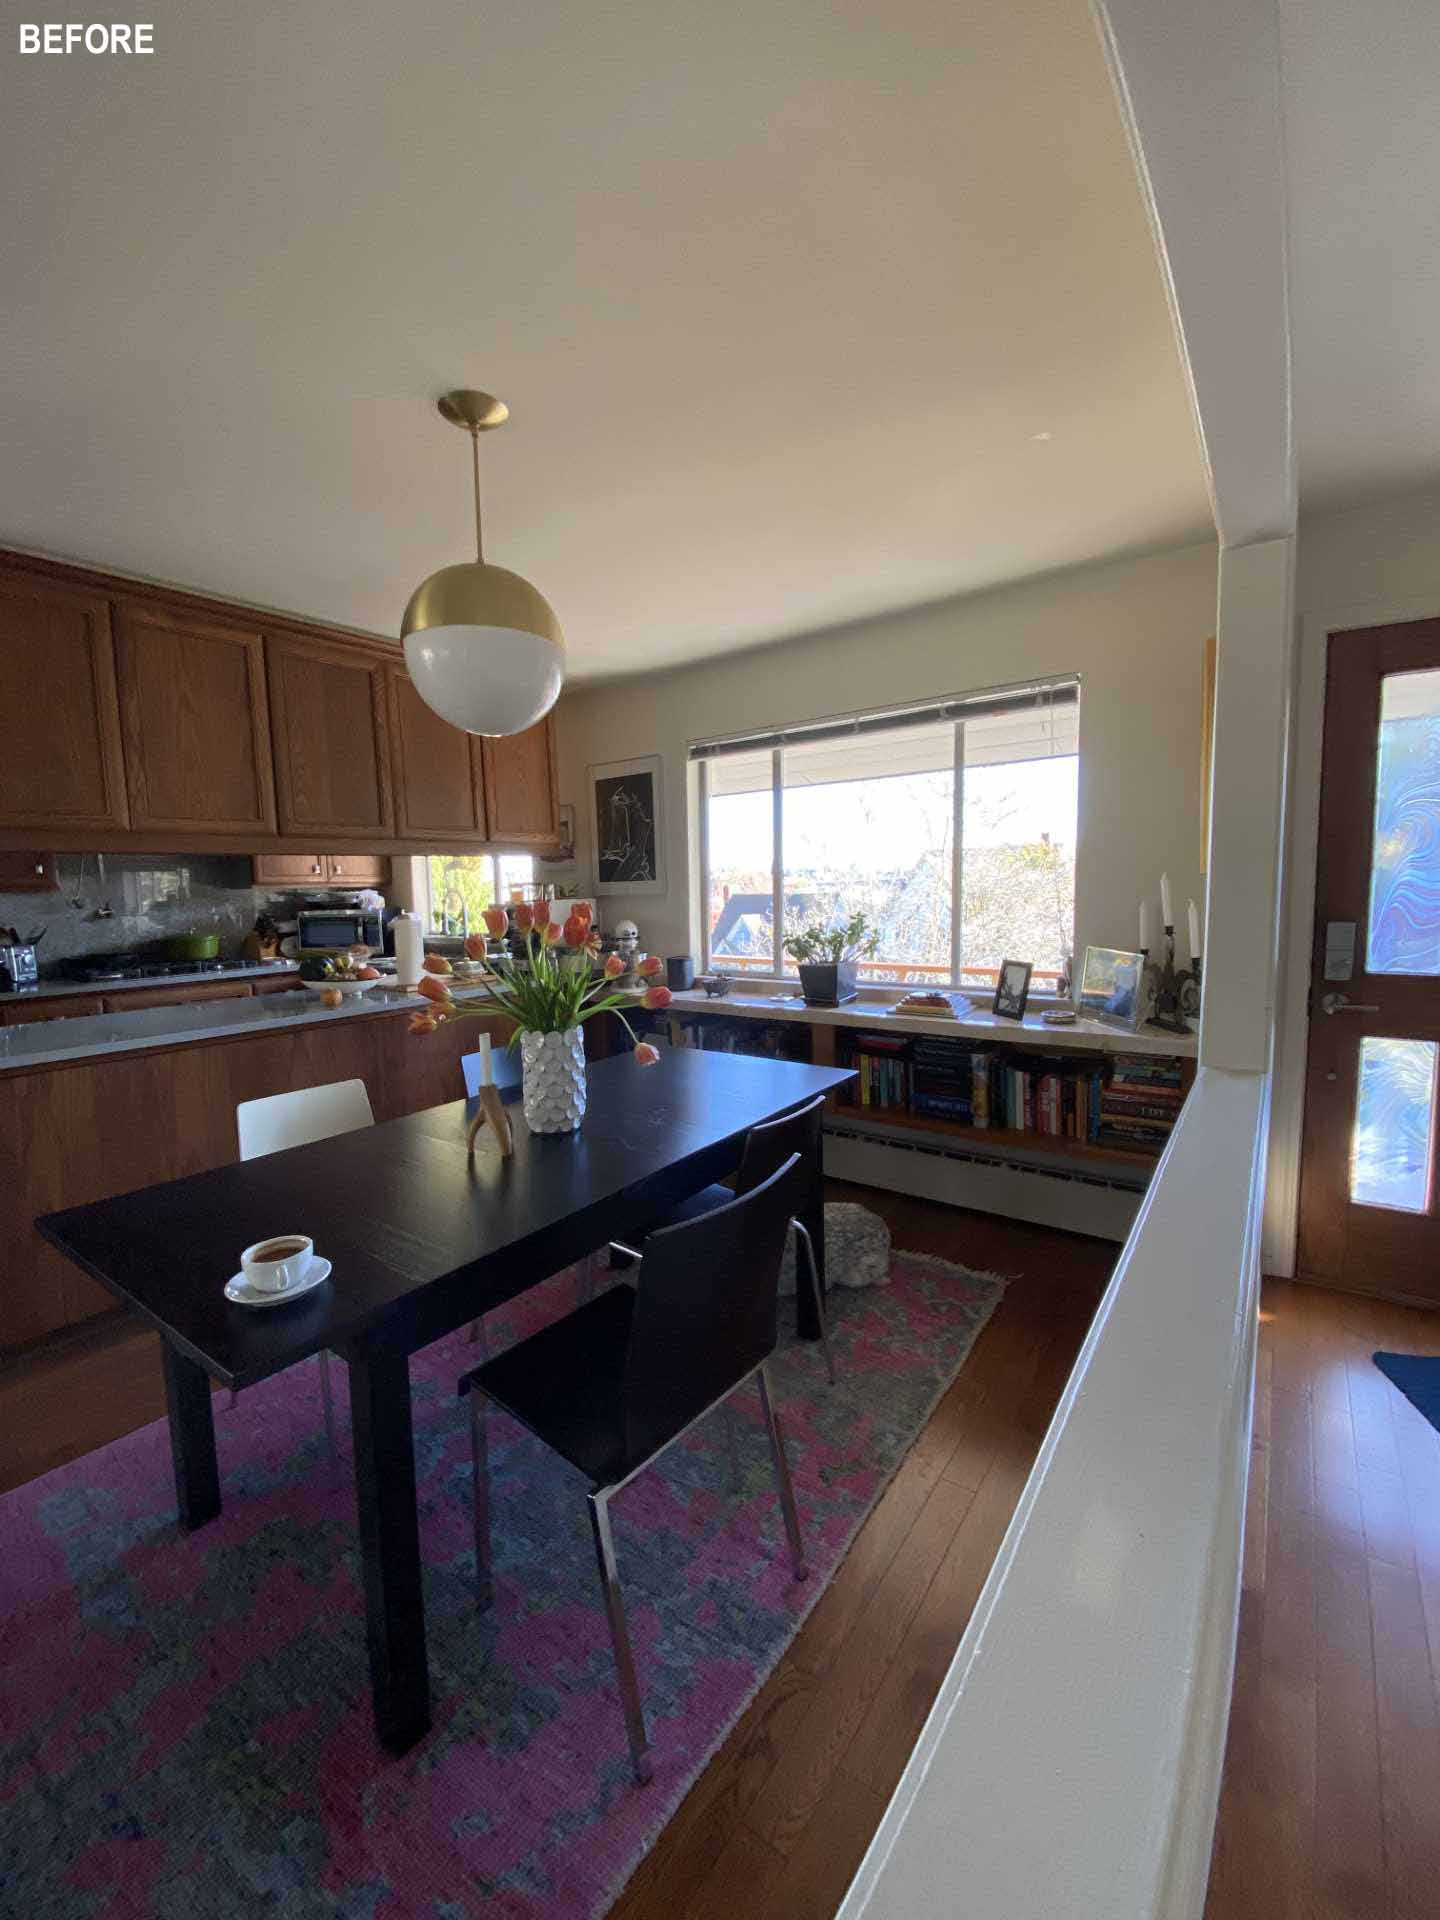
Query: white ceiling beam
(1199, 90)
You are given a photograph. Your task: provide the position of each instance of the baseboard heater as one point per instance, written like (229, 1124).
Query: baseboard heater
(931, 1168)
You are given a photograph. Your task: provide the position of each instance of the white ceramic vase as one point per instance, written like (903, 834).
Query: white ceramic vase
(553, 1080)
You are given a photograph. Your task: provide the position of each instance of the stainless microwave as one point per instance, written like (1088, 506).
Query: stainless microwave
(334, 929)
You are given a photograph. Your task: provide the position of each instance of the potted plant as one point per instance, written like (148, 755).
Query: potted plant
(827, 958)
(549, 1002)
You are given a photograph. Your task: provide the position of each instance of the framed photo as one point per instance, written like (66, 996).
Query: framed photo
(1012, 989)
(629, 831)
(1112, 986)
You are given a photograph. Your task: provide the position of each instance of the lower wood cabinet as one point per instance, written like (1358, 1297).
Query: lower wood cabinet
(86, 1129)
(25, 1013)
(137, 999)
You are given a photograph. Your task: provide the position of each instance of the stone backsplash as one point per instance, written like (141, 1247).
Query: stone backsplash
(111, 902)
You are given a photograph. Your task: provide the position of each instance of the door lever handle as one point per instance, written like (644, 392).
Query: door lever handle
(1341, 1003)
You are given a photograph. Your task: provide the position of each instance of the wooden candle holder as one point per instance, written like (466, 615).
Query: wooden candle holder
(492, 1108)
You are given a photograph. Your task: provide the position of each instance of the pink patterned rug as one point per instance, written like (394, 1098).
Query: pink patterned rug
(185, 1726)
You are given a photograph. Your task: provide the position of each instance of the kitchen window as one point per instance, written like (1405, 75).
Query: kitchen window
(950, 826)
(460, 886)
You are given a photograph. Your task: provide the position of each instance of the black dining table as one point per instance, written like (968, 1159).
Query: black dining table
(422, 1237)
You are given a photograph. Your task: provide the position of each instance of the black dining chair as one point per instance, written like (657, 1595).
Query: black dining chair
(766, 1147)
(613, 1384)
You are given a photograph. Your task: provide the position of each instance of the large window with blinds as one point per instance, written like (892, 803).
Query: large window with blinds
(950, 826)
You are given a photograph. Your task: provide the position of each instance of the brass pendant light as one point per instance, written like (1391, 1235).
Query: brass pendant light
(483, 646)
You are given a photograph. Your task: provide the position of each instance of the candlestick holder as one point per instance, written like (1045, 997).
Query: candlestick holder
(1176, 990)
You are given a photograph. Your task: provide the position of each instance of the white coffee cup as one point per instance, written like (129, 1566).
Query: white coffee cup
(279, 1263)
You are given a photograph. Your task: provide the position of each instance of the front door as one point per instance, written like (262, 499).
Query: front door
(1369, 1204)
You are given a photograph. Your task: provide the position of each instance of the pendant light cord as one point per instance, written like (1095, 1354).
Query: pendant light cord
(475, 459)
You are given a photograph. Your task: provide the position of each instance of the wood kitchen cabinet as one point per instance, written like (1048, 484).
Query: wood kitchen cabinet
(53, 1006)
(289, 869)
(439, 769)
(60, 755)
(195, 722)
(28, 873)
(521, 792)
(320, 870)
(137, 999)
(332, 739)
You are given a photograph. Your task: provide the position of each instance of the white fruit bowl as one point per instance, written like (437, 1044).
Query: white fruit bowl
(347, 987)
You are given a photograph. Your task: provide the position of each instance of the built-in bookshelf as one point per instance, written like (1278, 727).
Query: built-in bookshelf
(1061, 1124)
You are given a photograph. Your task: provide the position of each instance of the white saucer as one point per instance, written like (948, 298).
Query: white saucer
(239, 1289)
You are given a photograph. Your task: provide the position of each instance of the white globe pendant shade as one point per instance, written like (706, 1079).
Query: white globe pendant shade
(484, 648)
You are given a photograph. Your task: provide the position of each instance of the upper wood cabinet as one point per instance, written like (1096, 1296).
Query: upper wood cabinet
(60, 759)
(195, 722)
(28, 873)
(332, 750)
(520, 787)
(357, 869)
(289, 870)
(439, 774)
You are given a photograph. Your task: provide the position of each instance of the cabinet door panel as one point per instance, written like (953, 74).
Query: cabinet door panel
(28, 873)
(196, 727)
(520, 790)
(25, 1013)
(357, 869)
(288, 869)
(60, 758)
(438, 773)
(332, 757)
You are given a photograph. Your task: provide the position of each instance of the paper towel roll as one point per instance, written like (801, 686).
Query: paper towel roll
(409, 950)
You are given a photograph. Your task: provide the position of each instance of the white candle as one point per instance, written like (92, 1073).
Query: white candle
(487, 1070)
(1144, 926)
(1167, 917)
(1194, 913)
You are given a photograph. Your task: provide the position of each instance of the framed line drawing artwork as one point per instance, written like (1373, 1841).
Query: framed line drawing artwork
(629, 829)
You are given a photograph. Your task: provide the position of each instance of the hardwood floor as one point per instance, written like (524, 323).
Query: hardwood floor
(1332, 1772)
(779, 1820)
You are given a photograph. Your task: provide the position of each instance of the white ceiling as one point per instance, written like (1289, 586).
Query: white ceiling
(803, 308)
(1362, 134)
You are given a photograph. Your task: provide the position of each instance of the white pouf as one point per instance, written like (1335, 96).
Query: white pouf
(857, 1249)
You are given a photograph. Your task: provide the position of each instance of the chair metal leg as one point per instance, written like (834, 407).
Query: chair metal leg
(620, 1636)
(327, 1400)
(782, 1478)
(730, 1420)
(480, 1503)
(478, 1339)
(802, 1235)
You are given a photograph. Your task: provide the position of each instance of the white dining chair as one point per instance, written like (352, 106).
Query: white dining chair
(283, 1120)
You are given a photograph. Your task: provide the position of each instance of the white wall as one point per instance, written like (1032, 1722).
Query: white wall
(1133, 630)
(1365, 567)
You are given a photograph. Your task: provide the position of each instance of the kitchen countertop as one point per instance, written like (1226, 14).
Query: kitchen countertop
(51, 1042)
(72, 989)
(1085, 1034)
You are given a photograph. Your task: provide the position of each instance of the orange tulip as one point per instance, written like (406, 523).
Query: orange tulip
(547, 932)
(522, 914)
(652, 963)
(614, 966)
(437, 963)
(475, 946)
(497, 922)
(431, 989)
(645, 1054)
(656, 997)
(423, 1023)
(576, 930)
(584, 909)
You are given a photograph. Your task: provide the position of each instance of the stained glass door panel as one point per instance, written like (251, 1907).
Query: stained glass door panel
(1405, 871)
(1369, 1196)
